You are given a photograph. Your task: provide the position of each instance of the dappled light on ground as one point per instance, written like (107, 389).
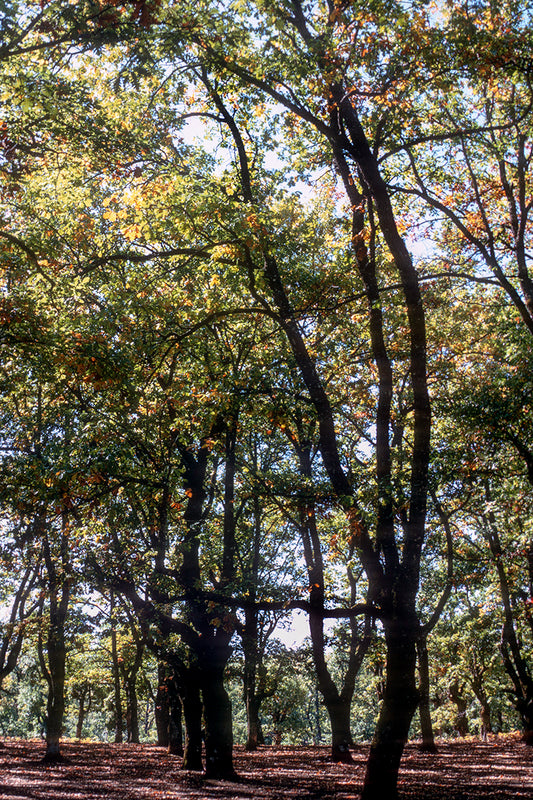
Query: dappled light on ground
(500, 769)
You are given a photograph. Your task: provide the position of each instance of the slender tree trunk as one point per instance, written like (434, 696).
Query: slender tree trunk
(253, 657)
(54, 669)
(486, 720)
(130, 673)
(82, 710)
(338, 703)
(132, 710)
(117, 694)
(426, 725)
(318, 738)
(162, 705)
(252, 699)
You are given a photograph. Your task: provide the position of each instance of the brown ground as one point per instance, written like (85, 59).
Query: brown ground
(501, 769)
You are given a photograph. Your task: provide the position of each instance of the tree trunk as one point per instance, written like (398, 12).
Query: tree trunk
(318, 737)
(162, 705)
(461, 721)
(525, 709)
(175, 734)
(54, 670)
(192, 715)
(426, 726)
(132, 709)
(337, 703)
(341, 735)
(486, 721)
(119, 716)
(217, 714)
(82, 710)
(397, 710)
(55, 708)
(254, 681)
(514, 658)
(253, 724)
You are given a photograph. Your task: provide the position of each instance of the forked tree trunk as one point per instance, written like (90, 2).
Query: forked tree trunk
(385, 566)
(337, 703)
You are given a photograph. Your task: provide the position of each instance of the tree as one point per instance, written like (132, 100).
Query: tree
(392, 584)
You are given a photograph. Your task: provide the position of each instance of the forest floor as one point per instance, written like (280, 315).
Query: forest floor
(500, 769)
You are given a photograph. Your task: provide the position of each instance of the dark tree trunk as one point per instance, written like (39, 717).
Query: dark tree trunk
(254, 729)
(117, 694)
(514, 658)
(253, 725)
(217, 713)
(461, 721)
(387, 570)
(525, 710)
(55, 709)
(175, 733)
(251, 658)
(130, 672)
(54, 666)
(397, 710)
(132, 710)
(254, 680)
(192, 716)
(83, 709)
(426, 725)
(162, 705)
(341, 735)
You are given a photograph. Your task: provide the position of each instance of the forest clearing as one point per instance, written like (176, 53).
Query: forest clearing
(499, 769)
